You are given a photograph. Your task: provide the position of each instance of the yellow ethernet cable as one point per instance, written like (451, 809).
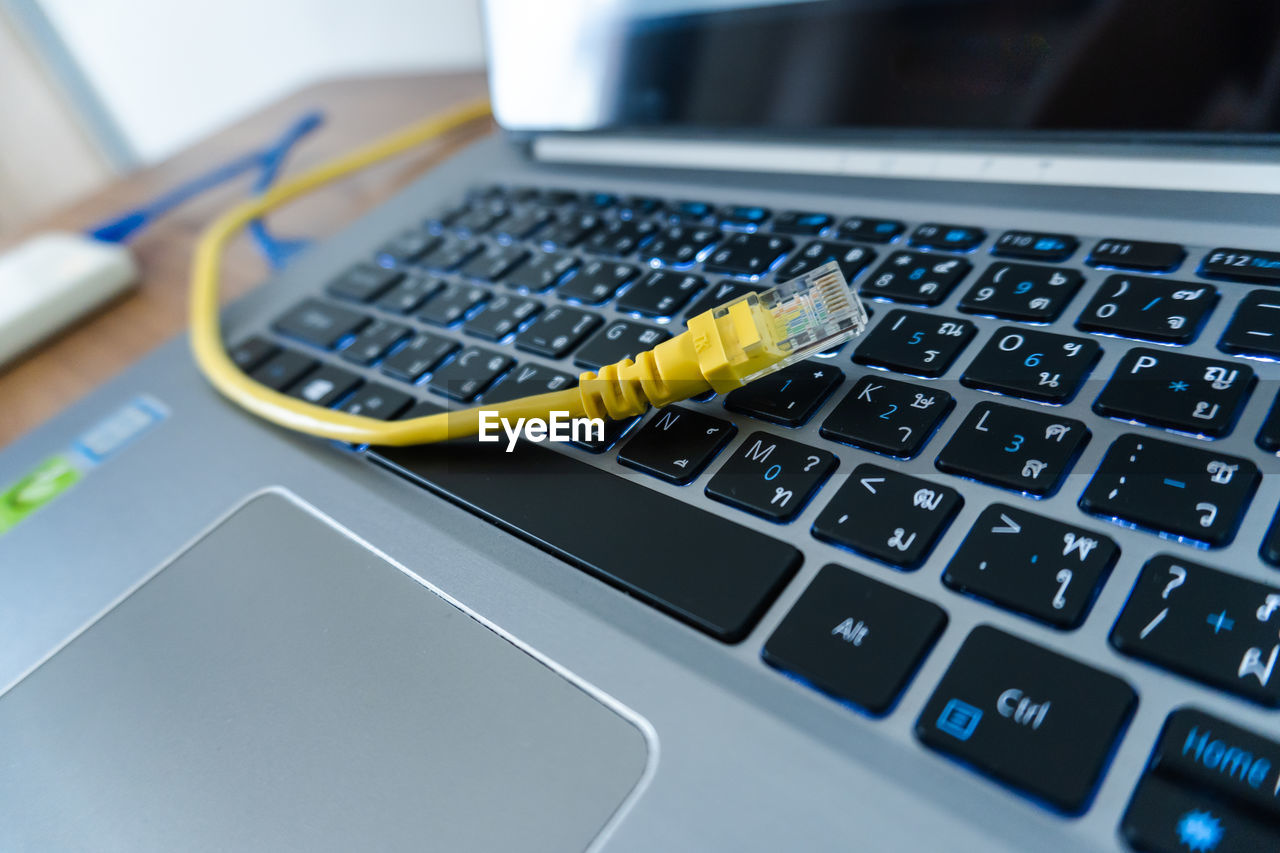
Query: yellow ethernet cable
(722, 349)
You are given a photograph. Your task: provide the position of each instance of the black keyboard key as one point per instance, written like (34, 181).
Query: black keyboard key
(1255, 327)
(559, 198)
(452, 253)
(772, 477)
(1136, 255)
(660, 293)
(1044, 723)
(621, 237)
(375, 341)
(417, 357)
(1034, 365)
(680, 244)
(557, 331)
(494, 262)
(408, 296)
(915, 343)
(749, 254)
(1270, 550)
(1025, 292)
(252, 352)
(470, 372)
(501, 316)
(283, 369)
(721, 292)
(916, 277)
(377, 401)
(788, 396)
(1184, 492)
(523, 224)
(850, 258)
(1149, 309)
(1034, 246)
(887, 416)
(1164, 817)
(1182, 392)
(948, 238)
(1030, 564)
(691, 211)
(800, 222)
(410, 246)
(1019, 449)
(644, 205)
(613, 431)
(676, 444)
(481, 216)
(720, 580)
(855, 638)
(569, 230)
(364, 282)
(452, 303)
(325, 386)
(1269, 433)
(597, 282)
(744, 216)
(542, 271)
(1205, 624)
(319, 323)
(525, 380)
(600, 201)
(870, 230)
(423, 409)
(1212, 755)
(888, 516)
(1243, 265)
(616, 341)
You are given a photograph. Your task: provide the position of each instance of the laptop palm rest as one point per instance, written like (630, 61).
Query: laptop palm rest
(279, 686)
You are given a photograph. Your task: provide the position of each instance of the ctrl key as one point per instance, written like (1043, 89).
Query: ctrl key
(1034, 719)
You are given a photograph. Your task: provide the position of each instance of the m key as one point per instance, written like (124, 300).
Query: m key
(888, 515)
(1182, 392)
(771, 477)
(1206, 624)
(1171, 488)
(1036, 566)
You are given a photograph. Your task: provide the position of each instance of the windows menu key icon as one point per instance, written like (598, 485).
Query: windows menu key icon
(959, 719)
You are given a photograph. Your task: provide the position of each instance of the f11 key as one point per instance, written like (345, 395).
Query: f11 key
(1214, 627)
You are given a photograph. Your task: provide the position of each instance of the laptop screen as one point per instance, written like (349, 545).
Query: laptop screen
(1134, 67)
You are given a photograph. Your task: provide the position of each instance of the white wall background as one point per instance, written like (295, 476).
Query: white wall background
(171, 71)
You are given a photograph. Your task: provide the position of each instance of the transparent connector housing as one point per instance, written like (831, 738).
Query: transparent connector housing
(807, 315)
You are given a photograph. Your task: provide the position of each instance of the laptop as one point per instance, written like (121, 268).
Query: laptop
(1000, 574)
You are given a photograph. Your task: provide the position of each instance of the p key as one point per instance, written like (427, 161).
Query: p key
(1209, 625)
(1177, 391)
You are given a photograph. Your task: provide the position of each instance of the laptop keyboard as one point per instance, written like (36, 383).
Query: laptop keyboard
(516, 290)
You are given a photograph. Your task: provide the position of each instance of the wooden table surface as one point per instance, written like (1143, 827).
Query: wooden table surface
(61, 370)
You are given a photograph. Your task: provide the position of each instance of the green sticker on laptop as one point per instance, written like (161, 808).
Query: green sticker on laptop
(50, 478)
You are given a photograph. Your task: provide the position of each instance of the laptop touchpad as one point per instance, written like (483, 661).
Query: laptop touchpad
(280, 687)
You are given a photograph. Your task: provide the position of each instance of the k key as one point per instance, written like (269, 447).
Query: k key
(887, 416)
